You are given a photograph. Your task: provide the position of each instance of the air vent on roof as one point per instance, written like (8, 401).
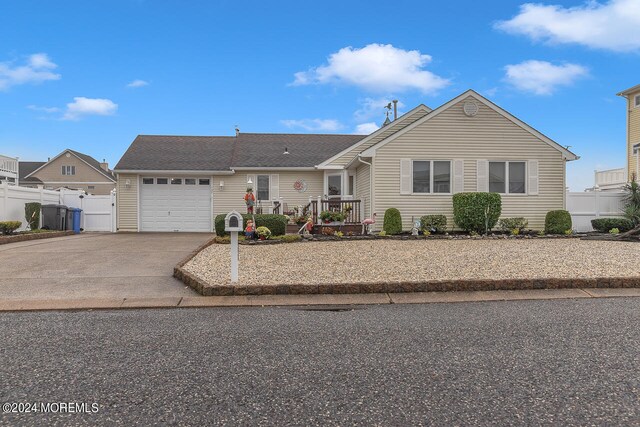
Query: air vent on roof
(470, 108)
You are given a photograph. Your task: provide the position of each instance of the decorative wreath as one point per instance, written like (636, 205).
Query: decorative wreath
(300, 186)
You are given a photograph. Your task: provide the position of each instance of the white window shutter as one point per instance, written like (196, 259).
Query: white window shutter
(274, 191)
(458, 176)
(405, 176)
(533, 177)
(254, 186)
(482, 175)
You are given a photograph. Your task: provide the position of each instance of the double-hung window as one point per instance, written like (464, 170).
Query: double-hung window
(262, 187)
(68, 170)
(431, 176)
(636, 101)
(507, 177)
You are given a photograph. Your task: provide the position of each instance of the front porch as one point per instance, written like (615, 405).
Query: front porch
(341, 214)
(9, 169)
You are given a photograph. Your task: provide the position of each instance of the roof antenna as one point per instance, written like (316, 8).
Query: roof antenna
(237, 130)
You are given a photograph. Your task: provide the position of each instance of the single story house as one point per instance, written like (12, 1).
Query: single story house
(415, 163)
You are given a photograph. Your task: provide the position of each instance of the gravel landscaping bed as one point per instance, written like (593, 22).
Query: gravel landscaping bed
(347, 262)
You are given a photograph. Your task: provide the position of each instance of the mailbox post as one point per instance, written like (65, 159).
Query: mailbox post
(232, 225)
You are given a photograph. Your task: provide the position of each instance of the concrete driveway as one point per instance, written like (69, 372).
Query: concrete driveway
(96, 265)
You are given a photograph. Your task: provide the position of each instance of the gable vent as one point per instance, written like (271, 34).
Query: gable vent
(470, 108)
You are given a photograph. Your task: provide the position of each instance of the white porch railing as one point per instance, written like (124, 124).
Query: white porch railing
(8, 167)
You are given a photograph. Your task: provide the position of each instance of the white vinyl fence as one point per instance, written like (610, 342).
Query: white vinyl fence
(586, 206)
(98, 212)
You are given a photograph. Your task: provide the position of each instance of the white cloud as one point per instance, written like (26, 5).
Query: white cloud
(611, 25)
(366, 128)
(541, 77)
(314, 125)
(48, 110)
(374, 108)
(82, 106)
(138, 83)
(377, 68)
(37, 69)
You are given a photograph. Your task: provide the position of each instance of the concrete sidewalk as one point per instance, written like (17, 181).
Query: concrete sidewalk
(309, 300)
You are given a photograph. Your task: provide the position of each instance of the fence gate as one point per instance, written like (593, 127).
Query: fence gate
(98, 212)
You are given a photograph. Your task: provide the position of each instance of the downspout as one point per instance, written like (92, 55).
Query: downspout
(370, 184)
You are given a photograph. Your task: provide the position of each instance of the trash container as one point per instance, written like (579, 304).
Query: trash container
(54, 217)
(74, 216)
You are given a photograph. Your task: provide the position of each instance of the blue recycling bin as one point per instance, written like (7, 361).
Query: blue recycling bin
(74, 216)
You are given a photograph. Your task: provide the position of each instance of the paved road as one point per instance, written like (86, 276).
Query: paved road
(96, 265)
(562, 362)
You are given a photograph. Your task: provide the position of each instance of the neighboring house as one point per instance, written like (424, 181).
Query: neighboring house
(8, 169)
(69, 169)
(632, 96)
(609, 180)
(415, 163)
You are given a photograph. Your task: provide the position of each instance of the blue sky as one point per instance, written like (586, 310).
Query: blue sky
(93, 75)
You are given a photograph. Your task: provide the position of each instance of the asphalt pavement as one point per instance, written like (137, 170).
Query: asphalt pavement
(548, 362)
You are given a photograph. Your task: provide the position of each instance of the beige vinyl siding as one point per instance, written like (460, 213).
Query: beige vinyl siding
(235, 186)
(634, 132)
(452, 135)
(391, 129)
(85, 175)
(363, 188)
(127, 203)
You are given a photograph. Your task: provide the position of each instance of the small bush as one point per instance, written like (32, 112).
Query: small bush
(289, 238)
(514, 226)
(263, 232)
(32, 214)
(8, 227)
(477, 212)
(276, 223)
(614, 231)
(392, 221)
(603, 225)
(433, 224)
(557, 222)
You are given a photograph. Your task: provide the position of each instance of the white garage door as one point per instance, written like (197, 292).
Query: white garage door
(175, 204)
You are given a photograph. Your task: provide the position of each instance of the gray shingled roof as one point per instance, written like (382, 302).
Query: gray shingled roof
(93, 162)
(221, 153)
(25, 168)
(305, 150)
(161, 152)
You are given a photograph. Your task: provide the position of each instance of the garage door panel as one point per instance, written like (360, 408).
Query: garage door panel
(175, 207)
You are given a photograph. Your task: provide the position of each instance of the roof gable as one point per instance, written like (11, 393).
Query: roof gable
(345, 157)
(471, 93)
(88, 160)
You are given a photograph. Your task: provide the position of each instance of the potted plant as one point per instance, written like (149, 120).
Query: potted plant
(333, 217)
(263, 233)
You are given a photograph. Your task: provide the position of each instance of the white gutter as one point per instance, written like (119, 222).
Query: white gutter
(253, 168)
(370, 183)
(178, 172)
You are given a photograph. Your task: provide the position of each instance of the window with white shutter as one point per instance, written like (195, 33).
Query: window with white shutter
(458, 176)
(534, 186)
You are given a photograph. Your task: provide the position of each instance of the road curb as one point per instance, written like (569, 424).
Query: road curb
(14, 305)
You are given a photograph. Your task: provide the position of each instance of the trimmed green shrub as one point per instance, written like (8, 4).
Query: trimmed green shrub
(276, 223)
(557, 222)
(289, 238)
(392, 221)
(32, 214)
(8, 227)
(604, 225)
(513, 225)
(433, 224)
(477, 212)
